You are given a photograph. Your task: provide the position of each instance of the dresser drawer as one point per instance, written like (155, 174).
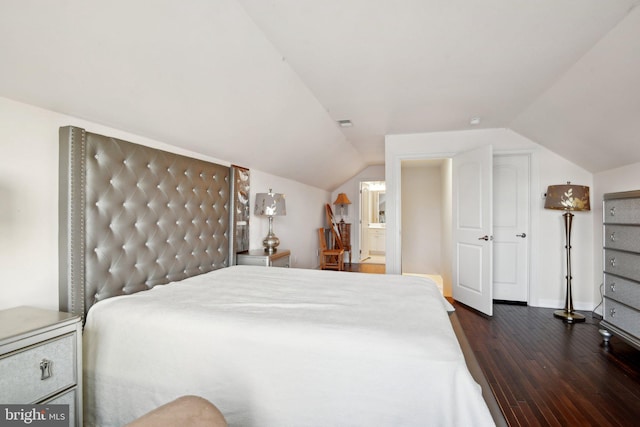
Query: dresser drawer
(622, 290)
(280, 258)
(621, 211)
(622, 264)
(623, 237)
(623, 317)
(252, 260)
(21, 370)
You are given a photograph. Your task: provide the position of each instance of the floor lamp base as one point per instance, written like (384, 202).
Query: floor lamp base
(568, 317)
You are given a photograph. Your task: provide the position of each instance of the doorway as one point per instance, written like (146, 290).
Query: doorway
(426, 194)
(373, 203)
(425, 219)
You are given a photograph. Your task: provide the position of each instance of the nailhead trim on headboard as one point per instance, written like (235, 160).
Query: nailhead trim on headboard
(135, 217)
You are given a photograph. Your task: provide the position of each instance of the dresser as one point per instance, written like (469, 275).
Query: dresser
(280, 258)
(621, 266)
(41, 359)
(344, 229)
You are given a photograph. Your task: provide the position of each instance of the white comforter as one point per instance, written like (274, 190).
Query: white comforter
(282, 347)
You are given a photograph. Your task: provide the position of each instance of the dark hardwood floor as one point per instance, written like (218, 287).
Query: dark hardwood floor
(544, 372)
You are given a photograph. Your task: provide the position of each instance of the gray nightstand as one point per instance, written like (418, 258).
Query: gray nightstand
(280, 258)
(41, 359)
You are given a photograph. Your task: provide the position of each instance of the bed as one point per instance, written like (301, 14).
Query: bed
(268, 346)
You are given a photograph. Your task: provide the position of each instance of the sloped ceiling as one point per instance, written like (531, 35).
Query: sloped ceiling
(261, 83)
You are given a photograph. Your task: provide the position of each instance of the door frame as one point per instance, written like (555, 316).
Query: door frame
(361, 209)
(393, 172)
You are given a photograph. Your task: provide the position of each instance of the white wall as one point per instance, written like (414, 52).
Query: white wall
(297, 230)
(626, 178)
(547, 259)
(29, 204)
(352, 189)
(421, 218)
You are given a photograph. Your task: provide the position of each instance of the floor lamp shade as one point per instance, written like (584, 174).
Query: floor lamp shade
(270, 204)
(568, 198)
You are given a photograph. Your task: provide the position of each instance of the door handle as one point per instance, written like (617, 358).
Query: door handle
(523, 235)
(485, 238)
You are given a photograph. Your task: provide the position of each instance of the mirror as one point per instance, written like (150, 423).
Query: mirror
(378, 199)
(374, 202)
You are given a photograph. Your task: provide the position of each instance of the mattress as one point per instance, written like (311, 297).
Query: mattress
(282, 347)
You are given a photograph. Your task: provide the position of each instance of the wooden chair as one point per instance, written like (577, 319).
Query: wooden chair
(330, 259)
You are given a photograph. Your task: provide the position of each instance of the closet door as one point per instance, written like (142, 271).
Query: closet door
(511, 204)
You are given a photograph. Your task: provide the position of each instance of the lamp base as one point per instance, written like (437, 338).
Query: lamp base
(568, 317)
(270, 243)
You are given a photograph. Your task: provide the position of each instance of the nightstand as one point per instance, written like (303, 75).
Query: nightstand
(280, 258)
(41, 359)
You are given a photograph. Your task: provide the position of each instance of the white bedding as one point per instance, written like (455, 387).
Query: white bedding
(282, 347)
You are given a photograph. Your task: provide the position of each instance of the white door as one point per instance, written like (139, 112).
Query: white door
(472, 229)
(364, 221)
(511, 227)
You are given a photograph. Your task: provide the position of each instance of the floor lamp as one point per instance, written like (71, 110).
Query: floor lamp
(568, 198)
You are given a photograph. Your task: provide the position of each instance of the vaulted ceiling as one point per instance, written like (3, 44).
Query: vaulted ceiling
(261, 83)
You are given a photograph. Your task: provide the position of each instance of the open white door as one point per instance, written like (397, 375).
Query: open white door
(473, 228)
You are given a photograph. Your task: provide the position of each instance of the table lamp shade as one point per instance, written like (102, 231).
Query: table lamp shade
(342, 199)
(270, 204)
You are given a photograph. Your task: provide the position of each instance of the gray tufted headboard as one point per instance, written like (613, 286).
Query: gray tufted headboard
(132, 217)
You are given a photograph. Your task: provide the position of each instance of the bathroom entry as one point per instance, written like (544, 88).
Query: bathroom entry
(372, 222)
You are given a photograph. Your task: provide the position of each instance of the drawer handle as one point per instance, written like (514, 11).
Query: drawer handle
(613, 236)
(612, 312)
(612, 211)
(45, 369)
(612, 261)
(613, 287)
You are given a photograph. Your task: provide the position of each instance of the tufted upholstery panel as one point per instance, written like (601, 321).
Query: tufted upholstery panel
(148, 217)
